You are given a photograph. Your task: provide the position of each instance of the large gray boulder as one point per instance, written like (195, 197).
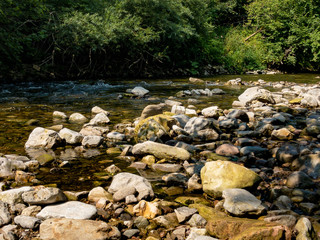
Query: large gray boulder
(219, 175)
(125, 180)
(43, 138)
(256, 93)
(160, 151)
(240, 202)
(71, 209)
(74, 229)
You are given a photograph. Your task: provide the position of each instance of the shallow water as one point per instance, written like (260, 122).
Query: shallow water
(34, 100)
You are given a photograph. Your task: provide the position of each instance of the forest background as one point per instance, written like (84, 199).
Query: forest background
(67, 39)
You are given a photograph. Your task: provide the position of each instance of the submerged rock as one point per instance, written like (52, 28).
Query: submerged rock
(160, 151)
(75, 229)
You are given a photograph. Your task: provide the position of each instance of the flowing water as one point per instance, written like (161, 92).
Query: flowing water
(21, 102)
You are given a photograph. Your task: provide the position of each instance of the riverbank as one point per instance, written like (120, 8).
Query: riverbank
(250, 170)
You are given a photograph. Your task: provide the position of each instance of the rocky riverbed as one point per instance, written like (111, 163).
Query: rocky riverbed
(249, 172)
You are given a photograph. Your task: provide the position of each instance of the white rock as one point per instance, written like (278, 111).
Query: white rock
(77, 118)
(96, 110)
(43, 138)
(57, 114)
(141, 184)
(139, 91)
(27, 221)
(5, 167)
(178, 109)
(70, 136)
(5, 216)
(115, 136)
(210, 112)
(101, 119)
(71, 209)
(45, 195)
(92, 141)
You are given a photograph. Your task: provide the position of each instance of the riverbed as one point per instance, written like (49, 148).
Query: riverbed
(26, 105)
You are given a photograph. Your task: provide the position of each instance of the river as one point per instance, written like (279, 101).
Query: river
(36, 101)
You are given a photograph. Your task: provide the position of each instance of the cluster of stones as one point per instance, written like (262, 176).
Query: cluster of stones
(257, 167)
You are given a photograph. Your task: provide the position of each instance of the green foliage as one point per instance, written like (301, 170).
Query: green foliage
(244, 55)
(93, 38)
(291, 29)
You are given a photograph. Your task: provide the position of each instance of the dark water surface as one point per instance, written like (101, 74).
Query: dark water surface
(34, 100)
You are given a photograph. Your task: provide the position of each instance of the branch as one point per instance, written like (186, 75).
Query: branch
(252, 35)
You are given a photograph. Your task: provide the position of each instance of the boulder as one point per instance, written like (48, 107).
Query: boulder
(240, 202)
(139, 91)
(74, 229)
(101, 119)
(210, 112)
(142, 186)
(154, 128)
(95, 110)
(77, 118)
(152, 110)
(43, 138)
(256, 93)
(299, 179)
(282, 134)
(71, 209)
(195, 124)
(238, 114)
(220, 175)
(58, 114)
(70, 136)
(44, 196)
(92, 141)
(160, 151)
(14, 196)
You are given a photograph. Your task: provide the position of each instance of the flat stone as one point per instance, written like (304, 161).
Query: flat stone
(74, 229)
(256, 150)
(168, 221)
(160, 151)
(88, 130)
(166, 167)
(184, 213)
(27, 221)
(44, 196)
(115, 136)
(142, 186)
(131, 232)
(241, 202)
(71, 209)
